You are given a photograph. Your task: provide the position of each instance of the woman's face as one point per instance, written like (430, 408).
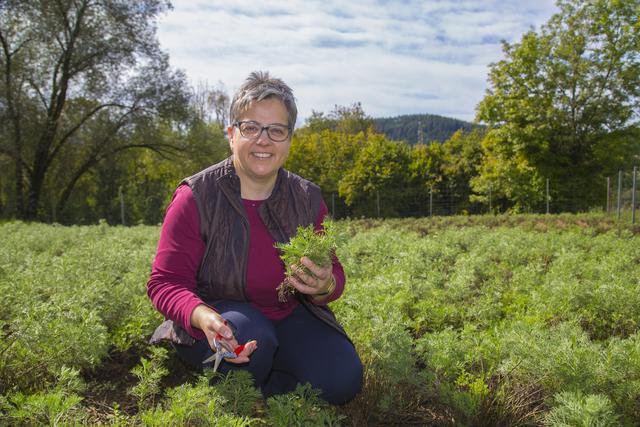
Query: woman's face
(258, 159)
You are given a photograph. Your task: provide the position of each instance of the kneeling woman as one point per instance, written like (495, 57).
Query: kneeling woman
(216, 269)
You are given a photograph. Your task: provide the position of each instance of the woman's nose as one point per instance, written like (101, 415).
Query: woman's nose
(263, 138)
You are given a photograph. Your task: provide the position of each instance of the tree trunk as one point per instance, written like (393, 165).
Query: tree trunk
(37, 176)
(66, 193)
(19, 185)
(36, 181)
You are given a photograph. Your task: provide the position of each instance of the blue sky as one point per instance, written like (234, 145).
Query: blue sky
(395, 57)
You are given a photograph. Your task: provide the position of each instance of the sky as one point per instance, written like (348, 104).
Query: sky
(394, 57)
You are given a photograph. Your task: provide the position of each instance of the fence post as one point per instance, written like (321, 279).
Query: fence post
(121, 204)
(547, 196)
(633, 196)
(490, 210)
(333, 205)
(378, 202)
(608, 195)
(431, 201)
(619, 192)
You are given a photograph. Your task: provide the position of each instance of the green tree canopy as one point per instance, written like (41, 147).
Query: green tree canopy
(77, 78)
(380, 168)
(346, 119)
(556, 98)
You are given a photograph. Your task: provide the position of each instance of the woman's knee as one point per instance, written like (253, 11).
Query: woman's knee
(249, 324)
(342, 383)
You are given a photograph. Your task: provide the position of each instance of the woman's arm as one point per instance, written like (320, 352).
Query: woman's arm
(172, 284)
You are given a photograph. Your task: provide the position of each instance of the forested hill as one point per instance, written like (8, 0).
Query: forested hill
(434, 128)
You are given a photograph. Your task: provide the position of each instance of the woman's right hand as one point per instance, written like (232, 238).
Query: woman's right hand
(213, 325)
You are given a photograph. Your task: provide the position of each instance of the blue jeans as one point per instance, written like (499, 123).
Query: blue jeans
(295, 350)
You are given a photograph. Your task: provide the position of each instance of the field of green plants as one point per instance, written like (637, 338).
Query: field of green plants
(521, 320)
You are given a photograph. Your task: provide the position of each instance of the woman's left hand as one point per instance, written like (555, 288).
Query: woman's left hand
(311, 284)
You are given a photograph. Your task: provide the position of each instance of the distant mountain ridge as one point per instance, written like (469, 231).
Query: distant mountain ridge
(426, 128)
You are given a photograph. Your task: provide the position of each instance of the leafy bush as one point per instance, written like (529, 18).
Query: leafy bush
(490, 320)
(57, 405)
(198, 404)
(573, 409)
(302, 407)
(239, 392)
(149, 373)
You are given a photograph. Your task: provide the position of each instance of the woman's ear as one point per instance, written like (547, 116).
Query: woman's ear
(230, 137)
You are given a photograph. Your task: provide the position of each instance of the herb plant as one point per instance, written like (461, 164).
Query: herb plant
(514, 320)
(318, 247)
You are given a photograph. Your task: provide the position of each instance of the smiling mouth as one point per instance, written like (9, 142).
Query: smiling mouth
(262, 155)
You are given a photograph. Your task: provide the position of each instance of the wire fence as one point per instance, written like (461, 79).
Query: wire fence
(622, 194)
(618, 196)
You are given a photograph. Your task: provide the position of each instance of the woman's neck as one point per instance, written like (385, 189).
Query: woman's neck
(251, 190)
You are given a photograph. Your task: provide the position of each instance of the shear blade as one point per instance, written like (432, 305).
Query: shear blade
(216, 363)
(209, 359)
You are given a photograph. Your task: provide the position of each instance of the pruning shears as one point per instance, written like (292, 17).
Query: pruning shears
(222, 350)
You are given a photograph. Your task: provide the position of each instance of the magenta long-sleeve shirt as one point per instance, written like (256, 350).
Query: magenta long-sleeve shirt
(172, 285)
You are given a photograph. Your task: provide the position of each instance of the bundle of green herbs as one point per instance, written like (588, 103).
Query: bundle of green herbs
(318, 247)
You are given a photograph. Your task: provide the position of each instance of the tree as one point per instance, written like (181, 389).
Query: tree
(77, 77)
(424, 176)
(326, 148)
(211, 103)
(555, 99)
(380, 170)
(346, 119)
(461, 157)
(324, 157)
(144, 179)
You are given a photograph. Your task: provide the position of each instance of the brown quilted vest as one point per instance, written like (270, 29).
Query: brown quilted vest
(224, 228)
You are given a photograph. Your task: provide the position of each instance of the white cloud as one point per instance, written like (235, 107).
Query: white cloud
(395, 57)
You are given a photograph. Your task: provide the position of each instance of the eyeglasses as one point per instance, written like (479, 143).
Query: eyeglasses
(252, 130)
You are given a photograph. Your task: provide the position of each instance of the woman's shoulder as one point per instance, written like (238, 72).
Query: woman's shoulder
(297, 180)
(183, 199)
(213, 172)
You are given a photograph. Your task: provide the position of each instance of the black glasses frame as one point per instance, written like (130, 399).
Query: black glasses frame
(263, 128)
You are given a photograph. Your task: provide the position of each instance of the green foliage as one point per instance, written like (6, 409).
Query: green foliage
(461, 156)
(380, 166)
(362, 165)
(318, 247)
(480, 301)
(573, 409)
(496, 320)
(301, 407)
(324, 156)
(58, 405)
(239, 392)
(557, 101)
(198, 404)
(343, 119)
(73, 306)
(149, 373)
(88, 92)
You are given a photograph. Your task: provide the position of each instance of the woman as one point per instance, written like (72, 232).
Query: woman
(216, 269)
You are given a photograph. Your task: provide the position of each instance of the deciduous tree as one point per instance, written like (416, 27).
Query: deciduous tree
(555, 99)
(380, 169)
(76, 78)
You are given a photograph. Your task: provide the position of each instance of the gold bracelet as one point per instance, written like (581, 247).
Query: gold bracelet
(330, 289)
